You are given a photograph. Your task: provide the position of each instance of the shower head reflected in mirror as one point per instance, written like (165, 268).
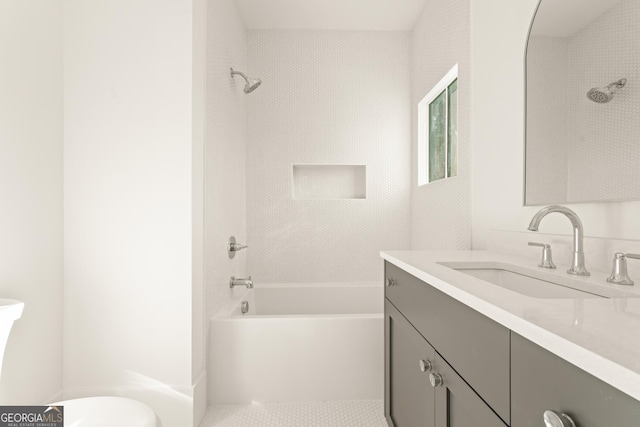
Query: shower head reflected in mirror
(602, 95)
(251, 85)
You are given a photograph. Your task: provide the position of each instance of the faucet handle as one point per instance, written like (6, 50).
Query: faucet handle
(547, 260)
(619, 275)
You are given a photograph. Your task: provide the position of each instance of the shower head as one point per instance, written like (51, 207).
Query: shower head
(602, 95)
(251, 85)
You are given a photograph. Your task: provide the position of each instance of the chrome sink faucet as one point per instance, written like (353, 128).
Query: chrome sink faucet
(577, 262)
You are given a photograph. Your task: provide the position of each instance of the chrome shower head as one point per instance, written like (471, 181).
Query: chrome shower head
(251, 85)
(602, 95)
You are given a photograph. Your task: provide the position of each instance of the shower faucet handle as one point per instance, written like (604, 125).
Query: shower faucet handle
(619, 275)
(234, 247)
(547, 260)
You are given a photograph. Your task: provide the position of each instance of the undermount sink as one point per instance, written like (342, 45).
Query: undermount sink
(533, 283)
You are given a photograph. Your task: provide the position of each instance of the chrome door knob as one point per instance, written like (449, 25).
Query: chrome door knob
(390, 282)
(425, 365)
(435, 379)
(556, 419)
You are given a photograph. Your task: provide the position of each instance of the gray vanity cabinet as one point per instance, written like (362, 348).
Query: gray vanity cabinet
(468, 351)
(481, 374)
(542, 381)
(414, 395)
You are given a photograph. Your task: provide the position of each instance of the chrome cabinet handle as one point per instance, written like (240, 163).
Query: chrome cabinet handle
(390, 282)
(556, 419)
(425, 365)
(435, 379)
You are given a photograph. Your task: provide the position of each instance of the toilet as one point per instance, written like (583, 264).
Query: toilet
(100, 411)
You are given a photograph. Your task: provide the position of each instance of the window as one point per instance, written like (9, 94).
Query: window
(438, 130)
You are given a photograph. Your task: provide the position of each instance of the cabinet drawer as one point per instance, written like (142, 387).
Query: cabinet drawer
(543, 381)
(475, 345)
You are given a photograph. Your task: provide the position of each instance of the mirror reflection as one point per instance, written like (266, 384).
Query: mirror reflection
(583, 102)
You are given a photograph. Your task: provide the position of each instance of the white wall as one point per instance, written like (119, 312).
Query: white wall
(441, 210)
(129, 201)
(199, 319)
(327, 97)
(547, 118)
(31, 191)
(497, 58)
(225, 178)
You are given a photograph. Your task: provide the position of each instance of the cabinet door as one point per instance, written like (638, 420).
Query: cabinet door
(409, 398)
(542, 381)
(457, 405)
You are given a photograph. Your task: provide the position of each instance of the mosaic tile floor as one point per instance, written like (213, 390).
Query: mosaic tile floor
(352, 413)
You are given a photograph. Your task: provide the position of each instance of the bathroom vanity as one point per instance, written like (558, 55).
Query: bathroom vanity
(462, 351)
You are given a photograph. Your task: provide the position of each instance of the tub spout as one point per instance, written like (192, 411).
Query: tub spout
(233, 282)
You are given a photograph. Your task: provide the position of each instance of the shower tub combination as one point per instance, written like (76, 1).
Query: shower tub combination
(299, 342)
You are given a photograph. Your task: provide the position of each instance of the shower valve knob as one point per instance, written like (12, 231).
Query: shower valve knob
(234, 247)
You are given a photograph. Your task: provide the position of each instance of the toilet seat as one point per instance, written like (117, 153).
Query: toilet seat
(107, 411)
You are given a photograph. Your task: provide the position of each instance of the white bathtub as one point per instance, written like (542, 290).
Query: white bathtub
(299, 342)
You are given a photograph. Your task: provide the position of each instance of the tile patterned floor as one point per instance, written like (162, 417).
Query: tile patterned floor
(352, 413)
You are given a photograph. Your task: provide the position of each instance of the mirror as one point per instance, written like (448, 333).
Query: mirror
(581, 148)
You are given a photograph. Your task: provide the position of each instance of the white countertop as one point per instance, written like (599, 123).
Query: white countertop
(598, 335)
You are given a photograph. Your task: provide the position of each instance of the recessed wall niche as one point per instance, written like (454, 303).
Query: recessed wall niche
(329, 182)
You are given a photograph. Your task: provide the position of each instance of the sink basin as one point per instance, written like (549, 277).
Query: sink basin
(534, 283)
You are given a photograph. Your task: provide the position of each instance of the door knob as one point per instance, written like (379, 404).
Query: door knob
(556, 419)
(390, 282)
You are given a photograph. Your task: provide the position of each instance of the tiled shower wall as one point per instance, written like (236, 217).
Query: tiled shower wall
(441, 211)
(327, 97)
(225, 150)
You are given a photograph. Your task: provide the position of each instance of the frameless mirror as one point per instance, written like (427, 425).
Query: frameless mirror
(582, 141)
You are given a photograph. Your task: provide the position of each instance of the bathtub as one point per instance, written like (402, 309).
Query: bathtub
(298, 342)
